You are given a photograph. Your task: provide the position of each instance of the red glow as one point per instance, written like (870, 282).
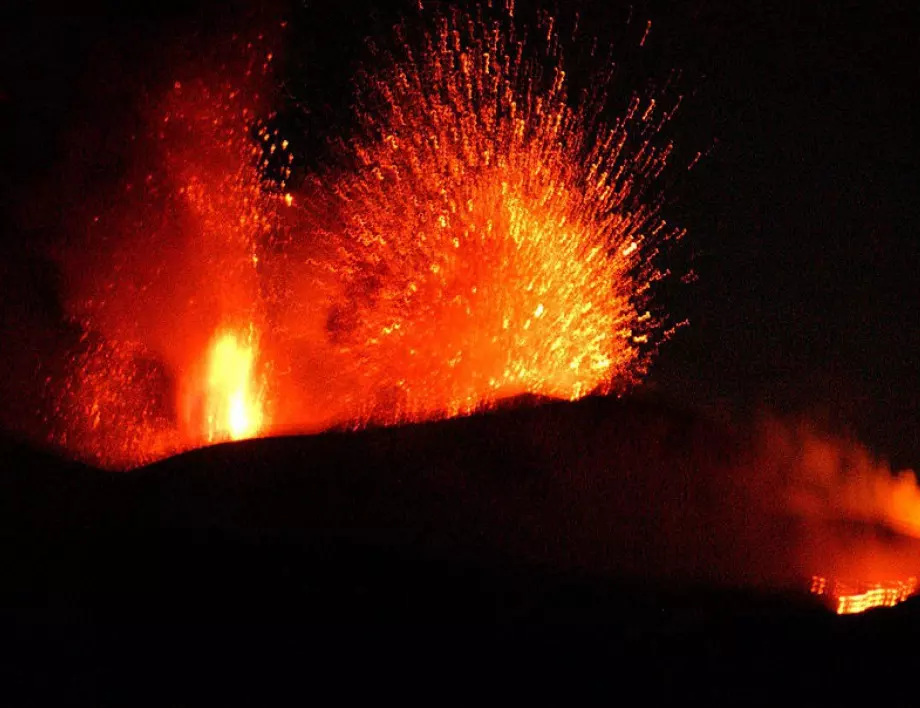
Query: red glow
(487, 239)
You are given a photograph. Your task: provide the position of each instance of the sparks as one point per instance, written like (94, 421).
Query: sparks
(494, 238)
(482, 235)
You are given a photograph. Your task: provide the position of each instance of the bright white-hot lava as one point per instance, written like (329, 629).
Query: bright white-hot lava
(233, 397)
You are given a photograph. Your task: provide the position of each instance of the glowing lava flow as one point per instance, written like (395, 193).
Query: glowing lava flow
(234, 401)
(853, 598)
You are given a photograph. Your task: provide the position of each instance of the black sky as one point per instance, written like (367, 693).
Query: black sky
(802, 221)
(805, 217)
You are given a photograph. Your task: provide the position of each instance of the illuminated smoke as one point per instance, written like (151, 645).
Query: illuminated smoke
(859, 518)
(824, 477)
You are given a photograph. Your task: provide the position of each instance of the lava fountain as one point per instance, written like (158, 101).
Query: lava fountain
(233, 400)
(492, 236)
(487, 230)
(483, 234)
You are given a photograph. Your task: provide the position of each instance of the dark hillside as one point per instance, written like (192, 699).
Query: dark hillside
(567, 547)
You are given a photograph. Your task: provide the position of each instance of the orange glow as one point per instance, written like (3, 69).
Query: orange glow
(494, 238)
(481, 235)
(234, 400)
(853, 598)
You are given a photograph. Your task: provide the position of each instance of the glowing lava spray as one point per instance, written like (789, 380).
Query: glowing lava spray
(492, 237)
(483, 234)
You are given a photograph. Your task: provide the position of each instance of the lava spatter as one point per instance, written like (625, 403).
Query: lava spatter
(481, 235)
(493, 237)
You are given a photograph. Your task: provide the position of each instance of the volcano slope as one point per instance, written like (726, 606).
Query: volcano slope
(555, 550)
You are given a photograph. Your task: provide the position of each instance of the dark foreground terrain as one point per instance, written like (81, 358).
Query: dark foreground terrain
(599, 550)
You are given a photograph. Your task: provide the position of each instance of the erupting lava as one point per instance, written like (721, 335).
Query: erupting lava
(495, 240)
(483, 235)
(234, 401)
(489, 229)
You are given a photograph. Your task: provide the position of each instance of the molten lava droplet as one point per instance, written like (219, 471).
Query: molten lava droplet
(234, 398)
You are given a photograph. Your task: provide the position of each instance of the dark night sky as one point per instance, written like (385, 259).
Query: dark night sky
(802, 221)
(806, 219)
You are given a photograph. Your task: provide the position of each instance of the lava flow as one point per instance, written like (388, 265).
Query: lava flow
(482, 235)
(859, 520)
(853, 598)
